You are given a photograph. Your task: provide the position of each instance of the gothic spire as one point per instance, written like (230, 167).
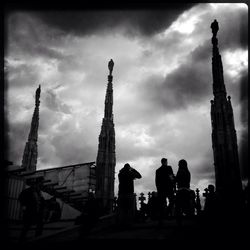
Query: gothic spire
(108, 112)
(30, 151)
(224, 138)
(106, 160)
(217, 68)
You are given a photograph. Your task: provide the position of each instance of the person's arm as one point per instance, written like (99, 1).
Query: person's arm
(136, 174)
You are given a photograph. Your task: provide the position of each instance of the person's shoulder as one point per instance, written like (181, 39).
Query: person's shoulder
(160, 169)
(121, 171)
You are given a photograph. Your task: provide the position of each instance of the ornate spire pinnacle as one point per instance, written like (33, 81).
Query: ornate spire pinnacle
(215, 27)
(30, 151)
(108, 112)
(224, 139)
(110, 66)
(38, 92)
(218, 78)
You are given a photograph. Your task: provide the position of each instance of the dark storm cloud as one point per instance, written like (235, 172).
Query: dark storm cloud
(74, 146)
(233, 25)
(26, 36)
(234, 32)
(191, 81)
(31, 46)
(72, 150)
(144, 22)
(61, 141)
(22, 75)
(53, 102)
(127, 151)
(187, 84)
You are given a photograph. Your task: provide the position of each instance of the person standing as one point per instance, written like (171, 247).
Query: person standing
(126, 198)
(184, 195)
(165, 183)
(183, 175)
(89, 217)
(32, 202)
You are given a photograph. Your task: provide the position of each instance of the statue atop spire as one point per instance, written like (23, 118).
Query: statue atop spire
(38, 92)
(217, 67)
(215, 27)
(111, 66)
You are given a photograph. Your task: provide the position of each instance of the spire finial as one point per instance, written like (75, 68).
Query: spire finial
(38, 91)
(215, 27)
(110, 66)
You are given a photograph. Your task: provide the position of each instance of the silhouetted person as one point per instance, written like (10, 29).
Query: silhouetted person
(185, 197)
(32, 203)
(126, 198)
(153, 206)
(90, 215)
(55, 210)
(183, 176)
(164, 180)
(210, 201)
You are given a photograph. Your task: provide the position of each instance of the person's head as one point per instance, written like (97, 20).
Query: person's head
(211, 188)
(164, 161)
(154, 194)
(126, 166)
(33, 183)
(183, 164)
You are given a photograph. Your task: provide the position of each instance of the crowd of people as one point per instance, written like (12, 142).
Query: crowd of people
(173, 199)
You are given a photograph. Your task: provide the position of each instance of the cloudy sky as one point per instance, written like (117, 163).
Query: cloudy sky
(162, 84)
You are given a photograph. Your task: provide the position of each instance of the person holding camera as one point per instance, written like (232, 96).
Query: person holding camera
(126, 197)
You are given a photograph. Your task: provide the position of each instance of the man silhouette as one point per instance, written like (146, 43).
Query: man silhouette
(126, 199)
(32, 202)
(164, 180)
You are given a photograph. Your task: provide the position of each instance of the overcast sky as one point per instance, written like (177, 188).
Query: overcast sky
(162, 81)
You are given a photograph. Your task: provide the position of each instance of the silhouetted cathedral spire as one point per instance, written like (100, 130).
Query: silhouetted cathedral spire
(106, 160)
(30, 151)
(224, 139)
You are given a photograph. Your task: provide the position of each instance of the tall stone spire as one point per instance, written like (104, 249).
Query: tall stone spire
(217, 68)
(106, 160)
(30, 151)
(224, 139)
